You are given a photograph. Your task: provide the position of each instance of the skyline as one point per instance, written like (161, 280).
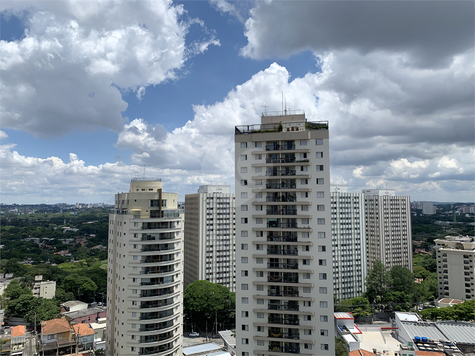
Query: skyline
(92, 96)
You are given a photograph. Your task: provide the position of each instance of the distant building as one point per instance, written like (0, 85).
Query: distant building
(56, 337)
(88, 315)
(348, 242)
(456, 267)
(428, 208)
(44, 289)
(388, 228)
(209, 242)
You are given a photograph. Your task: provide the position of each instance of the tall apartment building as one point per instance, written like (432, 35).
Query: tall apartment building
(284, 284)
(348, 242)
(210, 236)
(427, 208)
(456, 267)
(144, 279)
(44, 289)
(388, 228)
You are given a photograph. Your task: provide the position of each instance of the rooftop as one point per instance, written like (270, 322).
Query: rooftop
(84, 312)
(277, 127)
(19, 330)
(55, 326)
(202, 348)
(458, 332)
(83, 329)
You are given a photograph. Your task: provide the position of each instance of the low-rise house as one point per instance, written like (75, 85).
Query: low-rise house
(18, 339)
(89, 315)
(84, 336)
(56, 338)
(74, 305)
(99, 334)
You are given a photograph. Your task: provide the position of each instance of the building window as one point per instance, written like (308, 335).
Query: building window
(303, 181)
(305, 221)
(244, 246)
(243, 157)
(244, 273)
(321, 235)
(322, 248)
(307, 303)
(322, 262)
(244, 233)
(244, 353)
(260, 315)
(260, 301)
(307, 317)
(243, 144)
(243, 259)
(259, 287)
(259, 260)
(306, 275)
(324, 318)
(245, 341)
(257, 144)
(319, 167)
(243, 181)
(243, 207)
(305, 235)
(134, 291)
(245, 314)
(303, 194)
(243, 220)
(320, 181)
(320, 194)
(258, 195)
(258, 169)
(322, 276)
(319, 154)
(323, 304)
(323, 332)
(258, 157)
(245, 300)
(244, 195)
(243, 169)
(259, 221)
(307, 346)
(304, 207)
(244, 286)
(259, 274)
(319, 141)
(322, 290)
(307, 289)
(321, 221)
(320, 207)
(260, 329)
(307, 332)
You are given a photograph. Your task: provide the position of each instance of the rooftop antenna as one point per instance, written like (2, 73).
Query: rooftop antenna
(285, 100)
(144, 171)
(265, 108)
(282, 101)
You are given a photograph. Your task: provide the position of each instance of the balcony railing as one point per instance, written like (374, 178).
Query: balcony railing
(278, 147)
(156, 292)
(156, 326)
(277, 127)
(156, 303)
(284, 321)
(283, 238)
(158, 259)
(272, 306)
(156, 338)
(281, 212)
(281, 173)
(282, 198)
(153, 270)
(157, 315)
(288, 293)
(279, 279)
(156, 349)
(285, 252)
(280, 335)
(282, 265)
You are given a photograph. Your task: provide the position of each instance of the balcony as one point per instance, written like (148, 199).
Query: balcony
(284, 198)
(157, 292)
(271, 211)
(289, 292)
(282, 251)
(157, 315)
(156, 281)
(285, 307)
(158, 237)
(281, 185)
(291, 237)
(153, 270)
(156, 303)
(157, 248)
(156, 326)
(278, 147)
(276, 333)
(156, 349)
(282, 265)
(281, 173)
(279, 279)
(156, 338)
(159, 225)
(158, 259)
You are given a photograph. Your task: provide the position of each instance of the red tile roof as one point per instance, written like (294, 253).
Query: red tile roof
(429, 353)
(19, 330)
(83, 329)
(55, 326)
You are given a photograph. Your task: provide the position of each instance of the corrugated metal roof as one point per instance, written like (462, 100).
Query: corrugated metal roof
(197, 349)
(428, 330)
(461, 333)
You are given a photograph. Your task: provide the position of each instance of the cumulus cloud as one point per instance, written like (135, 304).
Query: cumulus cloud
(424, 33)
(75, 59)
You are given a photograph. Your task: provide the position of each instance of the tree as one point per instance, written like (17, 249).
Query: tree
(340, 347)
(420, 272)
(79, 285)
(358, 306)
(402, 280)
(428, 289)
(205, 300)
(14, 290)
(378, 281)
(62, 296)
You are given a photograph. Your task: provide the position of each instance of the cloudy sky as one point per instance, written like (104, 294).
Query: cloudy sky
(94, 93)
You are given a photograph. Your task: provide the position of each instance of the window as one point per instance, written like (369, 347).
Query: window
(260, 329)
(260, 301)
(134, 314)
(258, 195)
(319, 154)
(258, 169)
(245, 300)
(259, 274)
(245, 314)
(320, 207)
(307, 332)
(258, 157)
(322, 262)
(323, 332)
(243, 157)
(244, 246)
(244, 353)
(320, 194)
(259, 182)
(134, 291)
(303, 181)
(244, 273)
(134, 326)
(304, 207)
(307, 303)
(260, 287)
(322, 276)
(307, 317)
(259, 221)
(260, 342)
(244, 195)
(323, 304)
(321, 235)
(135, 258)
(306, 262)
(320, 181)
(321, 221)
(306, 275)
(258, 207)
(303, 194)
(303, 168)
(305, 248)
(322, 290)
(243, 169)
(243, 181)
(245, 341)
(243, 259)
(243, 144)
(257, 144)
(307, 289)
(319, 141)
(319, 167)
(322, 248)
(303, 142)
(305, 235)
(324, 347)
(244, 233)
(260, 315)
(259, 260)
(244, 327)
(243, 207)
(324, 318)
(244, 286)
(307, 346)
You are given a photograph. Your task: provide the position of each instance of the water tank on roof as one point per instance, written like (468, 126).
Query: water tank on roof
(424, 339)
(417, 338)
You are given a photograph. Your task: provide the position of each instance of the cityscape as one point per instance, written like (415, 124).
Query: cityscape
(231, 178)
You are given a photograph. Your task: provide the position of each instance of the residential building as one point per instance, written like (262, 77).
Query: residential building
(145, 274)
(57, 338)
(84, 336)
(18, 339)
(99, 334)
(88, 315)
(388, 228)
(348, 242)
(456, 267)
(284, 282)
(428, 208)
(44, 289)
(210, 236)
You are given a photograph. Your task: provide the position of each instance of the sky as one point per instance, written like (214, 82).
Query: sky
(95, 93)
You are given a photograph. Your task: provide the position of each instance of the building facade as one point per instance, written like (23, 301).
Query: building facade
(145, 274)
(428, 208)
(210, 236)
(284, 284)
(44, 289)
(456, 267)
(388, 228)
(348, 243)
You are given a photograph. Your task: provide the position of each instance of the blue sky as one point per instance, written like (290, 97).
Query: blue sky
(93, 92)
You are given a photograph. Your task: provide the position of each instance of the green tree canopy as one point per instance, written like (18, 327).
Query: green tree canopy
(378, 282)
(79, 285)
(402, 280)
(14, 290)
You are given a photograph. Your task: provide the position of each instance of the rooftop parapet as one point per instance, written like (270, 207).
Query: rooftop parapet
(281, 127)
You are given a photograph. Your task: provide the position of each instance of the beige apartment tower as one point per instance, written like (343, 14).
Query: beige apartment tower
(210, 236)
(284, 283)
(388, 228)
(456, 267)
(145, 274)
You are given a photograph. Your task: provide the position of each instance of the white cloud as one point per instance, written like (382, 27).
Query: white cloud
(68, 69)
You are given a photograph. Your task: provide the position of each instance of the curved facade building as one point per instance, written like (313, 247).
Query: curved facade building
(145, 274)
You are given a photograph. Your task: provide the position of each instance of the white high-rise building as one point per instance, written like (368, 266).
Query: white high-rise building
(210, 236)
(427, 208)
(145, 274)
(388, 228)
(284, 283)
(348, 243)
(456, 267)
